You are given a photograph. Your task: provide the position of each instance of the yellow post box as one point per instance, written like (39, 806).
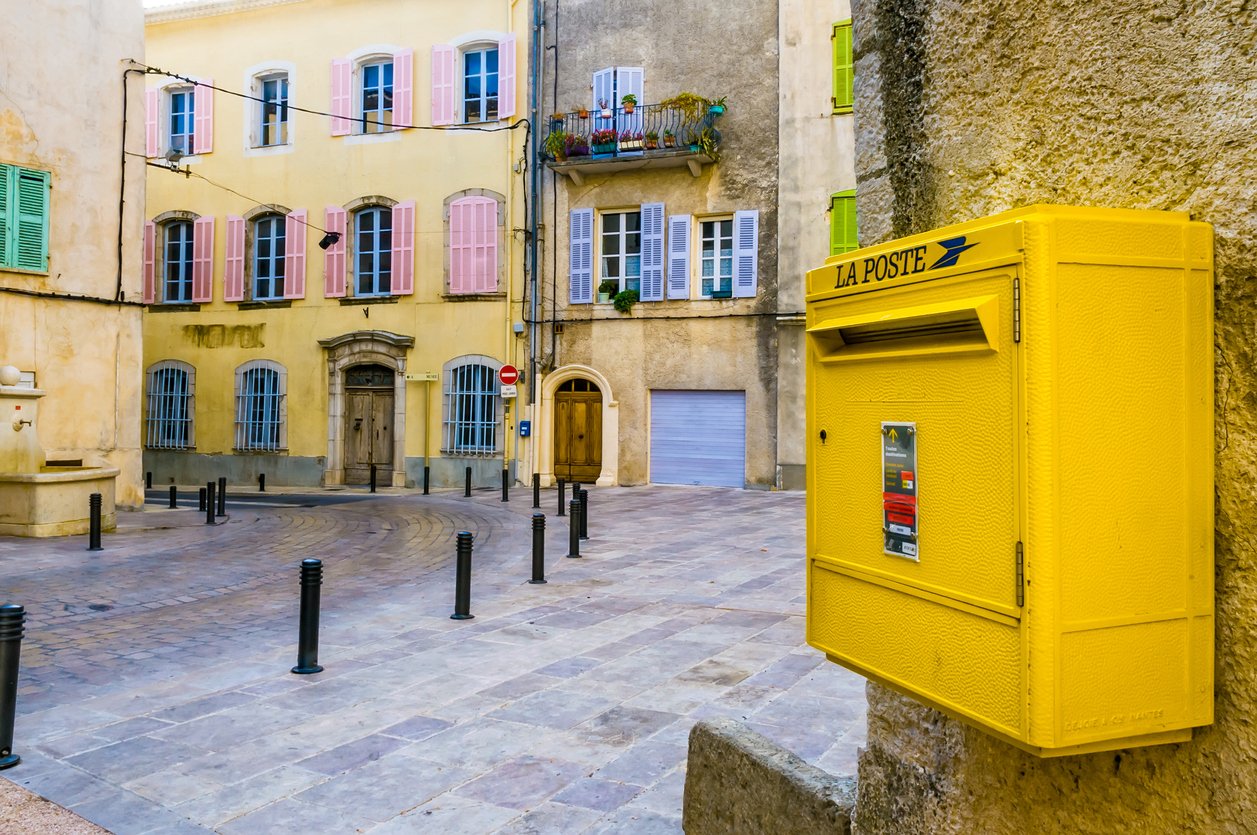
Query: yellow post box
(1010, 473)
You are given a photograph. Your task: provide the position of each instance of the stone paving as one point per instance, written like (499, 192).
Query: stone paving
(155, 695)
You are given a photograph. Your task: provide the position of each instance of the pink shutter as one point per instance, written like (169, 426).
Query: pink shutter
(203, 259)
(203, 104)
(403, 88)
(506, 77)
(485, 211)
(152, 118)
(460, 249)
(404, 248)
(150, 262)
(444, 58)
(295, 255)
(233, 271)
(334, 256)
(342, 96)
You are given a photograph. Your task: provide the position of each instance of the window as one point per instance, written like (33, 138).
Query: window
(261, 406)
(612, 85)
(480, 85)
(471, 404)
(473, 229)
(273, 110)
(621, 249)
(170, 405)
(842, 223)
(373, 251)
(716, 258)
(182, 111)
(24, 218)
(177, 262)
(268, 258)
(377, 97)
(844, 69)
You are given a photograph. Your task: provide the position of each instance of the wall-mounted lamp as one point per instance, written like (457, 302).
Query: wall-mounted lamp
(330, 239)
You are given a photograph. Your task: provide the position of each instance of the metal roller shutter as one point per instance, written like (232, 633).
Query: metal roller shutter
(698, 437)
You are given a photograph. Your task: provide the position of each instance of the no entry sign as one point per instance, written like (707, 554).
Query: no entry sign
(508, 375)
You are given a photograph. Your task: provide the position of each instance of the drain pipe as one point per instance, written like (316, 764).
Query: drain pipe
(534, 332)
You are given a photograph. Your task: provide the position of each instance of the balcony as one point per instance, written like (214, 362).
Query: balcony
(665, 135)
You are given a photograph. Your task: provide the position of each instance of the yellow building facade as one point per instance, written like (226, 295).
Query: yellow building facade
(332, 258)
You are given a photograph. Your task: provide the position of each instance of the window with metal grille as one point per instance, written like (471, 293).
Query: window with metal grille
(273, 110)
(480, 85)
(373, 250)
(377, 97)
(177, 262)
(182, 120)
(168, 422)
(261, 406)
(268, 258)
(471, 407)
(716, 258)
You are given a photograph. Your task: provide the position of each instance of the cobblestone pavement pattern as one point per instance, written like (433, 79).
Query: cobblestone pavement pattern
(155, 696)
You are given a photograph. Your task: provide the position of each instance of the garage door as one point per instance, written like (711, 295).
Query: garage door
(698, 437)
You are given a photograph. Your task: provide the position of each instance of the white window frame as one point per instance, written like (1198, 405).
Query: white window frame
(272, 405)
(167, 134)
(380, 253)
(280, 101)
(705, 291)
(482, 49)
(167, 408)
(472, 416)
(254, 77)
(276, 261)
(624, 279)
(188, 263)
(360, 92)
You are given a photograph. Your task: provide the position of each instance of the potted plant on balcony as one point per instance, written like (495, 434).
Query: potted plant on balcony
(606, 289)
(652, 140)
(603, 141)
(624, 300)
(557, 119)
(717, 106)
(557, 144)
(577, 146)
(669, 138)
(629, 102)
(582, 112)
(604, 109)
(630, 141)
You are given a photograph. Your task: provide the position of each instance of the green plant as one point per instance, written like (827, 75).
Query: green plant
(709, 143)
(629, 99)
(609, 287)
(557, 144)
(720, 102)
(624, 300)
(606, 136)
(692, 105)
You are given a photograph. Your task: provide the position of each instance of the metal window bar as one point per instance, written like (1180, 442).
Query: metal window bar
(471, 414)
(169, 419)
(650, 129)
(258, 410)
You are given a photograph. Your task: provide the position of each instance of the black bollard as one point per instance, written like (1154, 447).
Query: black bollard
(538, 548)
(148, 481)
(93, 522)
(506, 496)
(467, 489)
(573, 529)
(12, 616)
(209, 502)
(372, 478)
(562, 497)
(427, 471)
(462, 579)
(201, 505)
(536, 489)
(308, 637)
(222, 497)
(584, 513)
(174, 497)
(261, 482)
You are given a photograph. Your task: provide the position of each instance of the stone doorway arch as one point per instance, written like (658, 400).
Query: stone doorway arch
(544, 447)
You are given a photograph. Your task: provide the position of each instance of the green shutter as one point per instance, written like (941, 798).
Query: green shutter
(844, 70)
(842, 228)
(30, 219)
(6, 173)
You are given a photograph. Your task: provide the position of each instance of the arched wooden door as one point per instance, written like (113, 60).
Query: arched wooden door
(368, 423)
(578, 431)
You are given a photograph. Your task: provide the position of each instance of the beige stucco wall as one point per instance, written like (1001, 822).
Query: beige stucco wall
(85, 355)
(817, 159)
(736, 348)
(964, 109)
(319, 170)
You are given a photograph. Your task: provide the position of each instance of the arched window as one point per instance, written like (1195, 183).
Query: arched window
(168, 421)
(261, 406)
(471, 406)
(373, 251)
(177, 261)
(268, 257)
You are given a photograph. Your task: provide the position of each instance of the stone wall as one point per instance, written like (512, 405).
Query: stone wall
(965, 108)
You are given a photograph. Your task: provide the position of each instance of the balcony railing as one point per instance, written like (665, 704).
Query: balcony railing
(650, 132)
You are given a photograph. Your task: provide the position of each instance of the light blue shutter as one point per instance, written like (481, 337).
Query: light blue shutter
(630, 80)
(652, 252)
(745, 253)
(5, 174)
(698, 437)
(581, 276)
(604, 90)
(30, 219)
(679, 257)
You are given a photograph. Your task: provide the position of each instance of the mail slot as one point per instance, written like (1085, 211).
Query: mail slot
(1010, 473)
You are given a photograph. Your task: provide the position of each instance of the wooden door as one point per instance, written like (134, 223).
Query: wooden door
(578, 431)
(369, 426)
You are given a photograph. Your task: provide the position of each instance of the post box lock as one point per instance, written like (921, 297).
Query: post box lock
(824, 435)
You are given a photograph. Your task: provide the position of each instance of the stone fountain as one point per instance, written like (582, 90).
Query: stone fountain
(38, 498)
